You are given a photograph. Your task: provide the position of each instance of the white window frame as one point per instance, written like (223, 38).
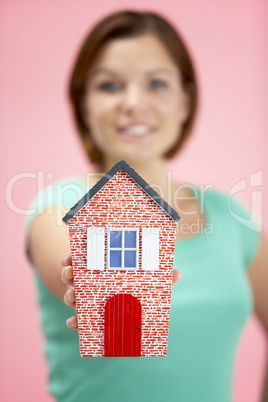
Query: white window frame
(122, 249)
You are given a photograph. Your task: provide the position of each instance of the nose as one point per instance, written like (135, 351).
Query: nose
(134, 99)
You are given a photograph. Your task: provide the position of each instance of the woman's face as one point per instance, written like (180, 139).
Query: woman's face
(135, 104)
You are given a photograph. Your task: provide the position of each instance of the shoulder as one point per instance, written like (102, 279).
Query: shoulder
(235, 220)
(227, 206)
(45, 232)
(62, 193)
(51, 203)
(213, 196)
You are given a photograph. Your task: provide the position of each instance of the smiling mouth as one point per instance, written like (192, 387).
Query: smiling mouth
(136, 131)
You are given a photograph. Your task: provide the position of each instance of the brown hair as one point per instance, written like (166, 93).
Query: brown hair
(128, 24)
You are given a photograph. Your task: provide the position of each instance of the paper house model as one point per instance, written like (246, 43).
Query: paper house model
(122, 238)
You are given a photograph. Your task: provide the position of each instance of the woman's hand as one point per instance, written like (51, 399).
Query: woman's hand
(176, 276)
(69, 297)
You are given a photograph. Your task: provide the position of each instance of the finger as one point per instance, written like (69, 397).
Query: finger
(69, 298)
(72, 322)
(67, 275)
(66, 260)
(176, 276)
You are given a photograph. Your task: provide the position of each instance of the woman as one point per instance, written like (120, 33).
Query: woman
(134, 97)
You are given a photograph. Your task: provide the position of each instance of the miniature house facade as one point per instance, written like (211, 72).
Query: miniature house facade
(122, 238)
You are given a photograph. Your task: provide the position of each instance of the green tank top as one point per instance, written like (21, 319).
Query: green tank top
(209, 308)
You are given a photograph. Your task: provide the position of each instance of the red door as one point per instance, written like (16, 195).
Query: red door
(122, 335)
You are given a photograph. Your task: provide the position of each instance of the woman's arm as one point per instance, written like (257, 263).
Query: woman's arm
(258, 276)
(48, 242)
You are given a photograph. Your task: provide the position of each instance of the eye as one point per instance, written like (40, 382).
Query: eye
(158, 84)
(109, 87)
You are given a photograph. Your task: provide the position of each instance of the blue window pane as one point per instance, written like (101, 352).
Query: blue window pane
(130, 259)
(130, 239)
(115, 258)
(116, 238)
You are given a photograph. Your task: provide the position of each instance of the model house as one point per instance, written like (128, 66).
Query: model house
(122, 238)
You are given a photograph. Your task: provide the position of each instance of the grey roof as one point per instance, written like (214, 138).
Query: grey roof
(137, 178)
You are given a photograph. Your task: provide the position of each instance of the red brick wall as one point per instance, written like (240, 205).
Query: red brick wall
(122, 203)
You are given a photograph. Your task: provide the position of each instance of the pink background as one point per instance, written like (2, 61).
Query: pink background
(38, 42)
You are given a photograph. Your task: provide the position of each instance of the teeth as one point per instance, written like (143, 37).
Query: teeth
(137, 130)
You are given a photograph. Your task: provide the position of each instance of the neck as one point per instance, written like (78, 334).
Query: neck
(155, 172)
